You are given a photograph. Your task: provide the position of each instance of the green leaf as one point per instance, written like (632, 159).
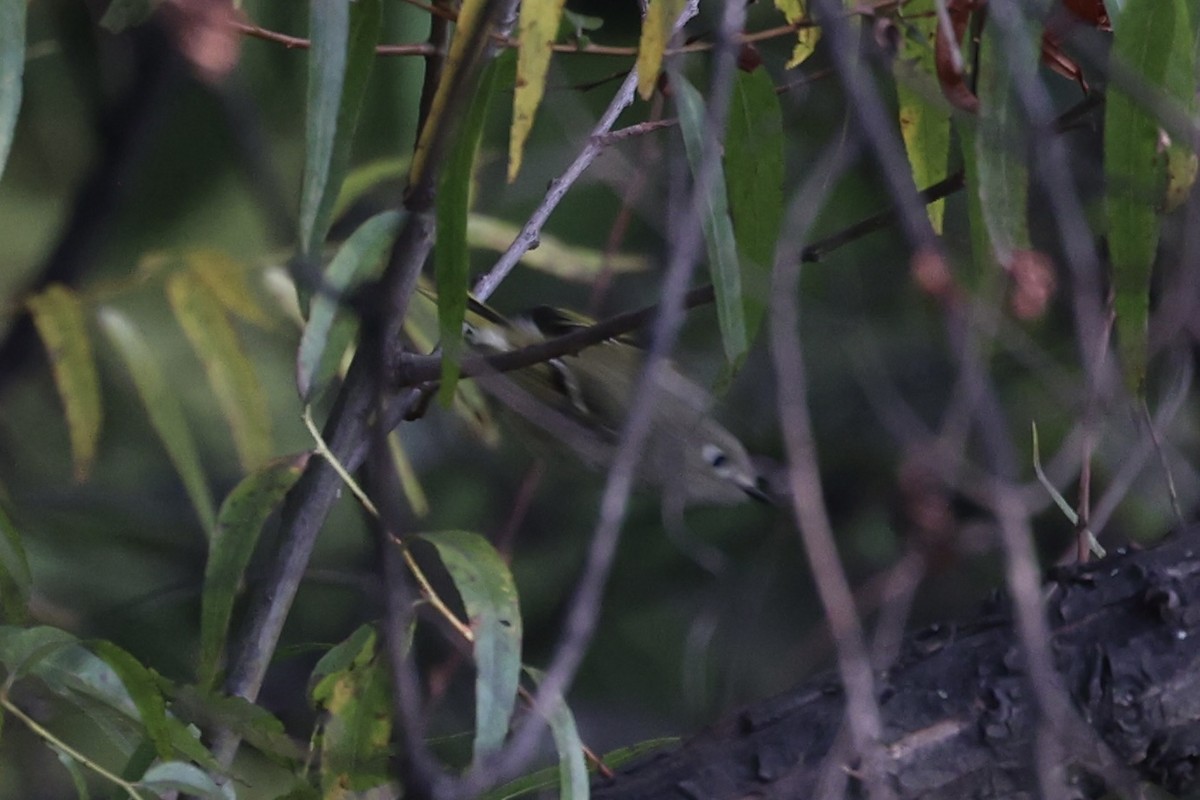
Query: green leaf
(239, 523)
(15, 578)
(331, 328)
(489, 596)
(343, 37)
(1145, 35)
(234, 380)
(718, 227)
(355, 695)
(572, 768)
(62, 324)
(252, 723)
(162, 406)
(74, 769)
(182, 777)
(1000, 149)
(338, 659)
(552, 256)
(924, 115)
(363, 179)
(12, 68)
(451, 256)
(754, 174)
(143, 691)
(549, 778)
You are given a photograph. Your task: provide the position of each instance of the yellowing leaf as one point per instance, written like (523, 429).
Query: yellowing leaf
(226, 279)
(806, 38)
(538, 27)
(59, 317)
(656, 33)
(552, 256)
(233, 378)
(924, 117)
(469, 18)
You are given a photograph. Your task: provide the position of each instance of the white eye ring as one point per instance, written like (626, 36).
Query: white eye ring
(715, 457)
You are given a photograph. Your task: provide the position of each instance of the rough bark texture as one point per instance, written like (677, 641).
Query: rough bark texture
(958, 713)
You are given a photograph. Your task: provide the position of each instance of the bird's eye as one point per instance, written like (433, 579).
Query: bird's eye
(715, 456)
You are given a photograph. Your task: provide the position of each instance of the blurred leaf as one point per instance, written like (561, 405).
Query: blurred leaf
(143, 691)
(538, 29)
(924, 117)
(162, 406)
(657, 27)
(754, 173)
(343, 37)
(73, 769)
(226, 279)
(62, 324)
(250, 722)
(572, 769)
(122, 14)
(234, 380)
(806, 38)
(548, 778)
(552, 256)
(15, 578)
(363, 179)
(458, 59)
(489, 596)
(239, 523)
(410, 482)
(181, 777)
(451, 258)
(1000, 148)
(331, 328)
(12, 69)
(718, 227)
(353, 690)
(1144, 36)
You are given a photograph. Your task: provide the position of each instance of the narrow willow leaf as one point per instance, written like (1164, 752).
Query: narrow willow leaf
(754, 174)
(252, 723)
(226, 279)
(572, 769)
(361, 180)
(74, 769)
(537, 29)
(458, 60)
(489, 596)
(143, 691)
(354, 693)
(552, 256)
(806, 38)
(331, 327)
(718, 227)
(188, 778)
(15, 577)
(657, 28)
(232, 376)
(12, 69)
(343, 36)
(924, 115)
(1144, 36)
(61, 322)
(549, 778)
(451, 256)
(123, 14)
(410, 482)
(162, 406)
(239, 523)
(1000, 148)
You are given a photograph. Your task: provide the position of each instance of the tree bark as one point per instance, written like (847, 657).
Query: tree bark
(959, 715)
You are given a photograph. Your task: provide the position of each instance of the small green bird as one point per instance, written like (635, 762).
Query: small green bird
(581, 399)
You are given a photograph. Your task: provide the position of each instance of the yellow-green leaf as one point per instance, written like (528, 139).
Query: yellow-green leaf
(552, 256)
(656, 34)
(62, 324)
(538, 27)
(15, 577)
(924, 115)
(226, 279)
(806, 38)
(232, 376)
(410, 482)
(458, 59)
(162, 406)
